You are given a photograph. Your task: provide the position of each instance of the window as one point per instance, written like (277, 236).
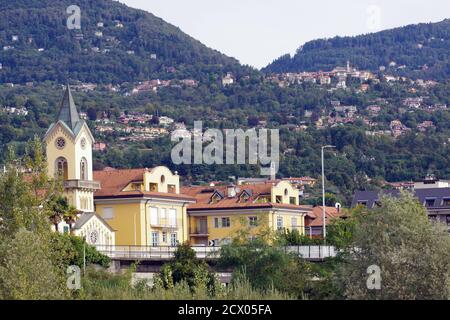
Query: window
(164, 237)
(253, 221)
(162, 213)
(446, 202)
(292, 200)
(108, 213)
(173, 240)
(286, 192)
(171, 188)
(279, 199)
(215, 198)
(154, 216)
(153, 187)
(61, 168)
(60, 143)
(163, 179)
(172, 217)
(362, 203)
(244, 197)
(429, 202)
(226, 222)
(66, 229)
(155, 238)
(294, 222)
(279, 223)
(223, 222)
(84, 169)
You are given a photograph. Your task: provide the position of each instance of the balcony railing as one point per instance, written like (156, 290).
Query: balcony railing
(199, 232)
(165, 224)
(204, 252)
(82, 184)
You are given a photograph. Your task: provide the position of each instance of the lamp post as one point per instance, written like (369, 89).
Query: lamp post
(324, 227)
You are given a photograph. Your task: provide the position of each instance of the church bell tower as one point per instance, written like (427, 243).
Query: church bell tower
(69, 155)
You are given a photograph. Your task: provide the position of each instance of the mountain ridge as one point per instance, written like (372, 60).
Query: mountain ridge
(412, 46)
(131, 45)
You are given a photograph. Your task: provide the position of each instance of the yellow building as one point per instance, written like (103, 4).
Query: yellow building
(144, 206)
(221, 211)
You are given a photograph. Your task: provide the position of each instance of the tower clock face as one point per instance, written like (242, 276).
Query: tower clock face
(83, 143)
(60, 143)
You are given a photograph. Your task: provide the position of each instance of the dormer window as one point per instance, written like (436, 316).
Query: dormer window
(216, 197)
(244, 197)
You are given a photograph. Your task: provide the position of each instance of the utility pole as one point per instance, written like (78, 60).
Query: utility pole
(84, 255)
(324, 222)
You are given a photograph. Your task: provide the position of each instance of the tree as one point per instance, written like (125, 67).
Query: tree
(92, 114)
(26, 270)
(186, 267)
(412, 254)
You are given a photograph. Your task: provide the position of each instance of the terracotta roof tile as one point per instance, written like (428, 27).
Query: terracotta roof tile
(331, 213)
(113, 181)
(203, 196)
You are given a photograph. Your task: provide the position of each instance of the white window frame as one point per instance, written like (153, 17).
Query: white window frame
(173, 239)
(279, 222)
(155, 238)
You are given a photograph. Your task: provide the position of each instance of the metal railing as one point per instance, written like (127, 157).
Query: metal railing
(203, 252)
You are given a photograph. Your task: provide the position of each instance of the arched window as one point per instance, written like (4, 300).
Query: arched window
(84, 169)
(61, 168)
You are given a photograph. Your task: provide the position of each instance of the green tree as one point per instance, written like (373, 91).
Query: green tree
(26, 270)
(186, 267)
(412, 253)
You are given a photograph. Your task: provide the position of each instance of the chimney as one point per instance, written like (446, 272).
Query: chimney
(231, 190)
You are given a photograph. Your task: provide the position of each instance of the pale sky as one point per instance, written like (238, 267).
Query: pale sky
(257, 31)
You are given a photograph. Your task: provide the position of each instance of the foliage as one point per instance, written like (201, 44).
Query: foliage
(294, 238)
(370, 51)
(69, 250)
(412, 253)
(186, 267)
(89, 57)
(26, 270)
(99, 284)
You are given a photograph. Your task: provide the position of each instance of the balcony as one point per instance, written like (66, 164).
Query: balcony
(82, 184)
(164, 224)
(199, 232)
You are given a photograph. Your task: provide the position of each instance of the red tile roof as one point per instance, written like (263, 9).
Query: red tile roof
(113, 181)
(203, 196)
(331, 213)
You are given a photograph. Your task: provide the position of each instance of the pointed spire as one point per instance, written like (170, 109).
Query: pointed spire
(68, 112)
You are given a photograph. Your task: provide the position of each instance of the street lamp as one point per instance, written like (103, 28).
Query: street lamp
(324, 227)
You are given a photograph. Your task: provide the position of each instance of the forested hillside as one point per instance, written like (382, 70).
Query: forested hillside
(115, 44)
(420, 50)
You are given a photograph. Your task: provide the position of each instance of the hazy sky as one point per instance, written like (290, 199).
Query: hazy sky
(258, 31)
